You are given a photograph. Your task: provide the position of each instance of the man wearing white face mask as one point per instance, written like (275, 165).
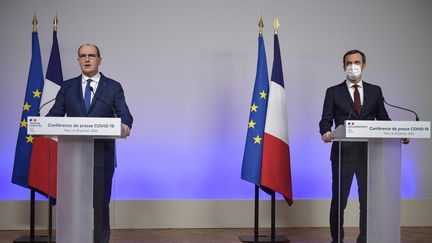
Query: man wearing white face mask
(353, 99)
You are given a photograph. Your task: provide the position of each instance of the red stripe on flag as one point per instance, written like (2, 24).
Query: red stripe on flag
(44, 161)
(275, 168)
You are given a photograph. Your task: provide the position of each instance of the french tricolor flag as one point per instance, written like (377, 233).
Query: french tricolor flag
(43, 163)
(275, 167)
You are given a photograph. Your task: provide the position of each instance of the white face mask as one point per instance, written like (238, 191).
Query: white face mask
(353, 72)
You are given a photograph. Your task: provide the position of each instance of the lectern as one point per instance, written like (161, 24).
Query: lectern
(384, 170)
(74, 213)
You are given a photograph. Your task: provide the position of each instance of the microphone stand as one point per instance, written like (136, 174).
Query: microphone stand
(405, 109)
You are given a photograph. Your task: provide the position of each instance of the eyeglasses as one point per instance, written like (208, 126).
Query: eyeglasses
(89, 56)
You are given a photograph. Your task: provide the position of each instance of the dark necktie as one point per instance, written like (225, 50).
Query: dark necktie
(357, 102)
(87, 95)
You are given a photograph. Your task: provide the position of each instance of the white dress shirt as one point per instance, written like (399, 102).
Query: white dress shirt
(351, 90)
(94, 84)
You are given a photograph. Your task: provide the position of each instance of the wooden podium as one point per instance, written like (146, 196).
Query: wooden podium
(384, 170)
(74, 212)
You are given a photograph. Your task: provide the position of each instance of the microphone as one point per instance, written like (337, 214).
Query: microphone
(112, 108)
(51, 100)
(44, 104)
(405, 109)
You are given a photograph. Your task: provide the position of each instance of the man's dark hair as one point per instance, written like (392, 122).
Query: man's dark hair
(88, 44)
(354, 52)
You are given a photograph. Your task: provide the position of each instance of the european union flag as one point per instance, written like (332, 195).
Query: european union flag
(30, 108)
(251, 167)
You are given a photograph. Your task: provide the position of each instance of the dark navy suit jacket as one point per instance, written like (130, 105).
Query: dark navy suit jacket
(109, 97)
(339, 106)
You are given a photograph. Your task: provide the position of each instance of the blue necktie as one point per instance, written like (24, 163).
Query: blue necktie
(87, 95)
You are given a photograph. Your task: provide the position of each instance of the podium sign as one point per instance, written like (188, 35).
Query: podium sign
(74, 211)
(75, 126)
(387, 129)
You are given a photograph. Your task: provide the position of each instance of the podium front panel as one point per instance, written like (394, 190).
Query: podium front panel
(74, 215)
(384, 188)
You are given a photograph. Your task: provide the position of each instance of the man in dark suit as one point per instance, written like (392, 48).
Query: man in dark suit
(93, 95)
(353, 99)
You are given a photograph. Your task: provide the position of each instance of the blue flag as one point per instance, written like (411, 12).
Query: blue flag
(251, 167)
(30, 108)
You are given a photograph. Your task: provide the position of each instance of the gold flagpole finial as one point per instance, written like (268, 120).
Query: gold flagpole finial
(34, 22)
(261, 26)
(55, 22)
(276, 25)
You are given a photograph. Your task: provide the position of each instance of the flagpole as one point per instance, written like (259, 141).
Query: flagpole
(32, 215)
(273, 236)
(256, 224)
(273, 199)
(50, 201)
(32, 191)
(273, 216)
(256, 221)
(32, 237)
(50, 221)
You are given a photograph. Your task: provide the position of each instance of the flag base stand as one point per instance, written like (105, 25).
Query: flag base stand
(37, 239)
(32, 237)
(264, 238)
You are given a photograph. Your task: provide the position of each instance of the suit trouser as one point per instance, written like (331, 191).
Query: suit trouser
(348, 170)
(102, 183)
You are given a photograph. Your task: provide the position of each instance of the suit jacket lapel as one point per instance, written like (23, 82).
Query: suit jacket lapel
(366, 98)
(100, 90)
(344, 90)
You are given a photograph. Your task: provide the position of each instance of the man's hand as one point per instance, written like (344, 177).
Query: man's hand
(125, 130)
(326, 137)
